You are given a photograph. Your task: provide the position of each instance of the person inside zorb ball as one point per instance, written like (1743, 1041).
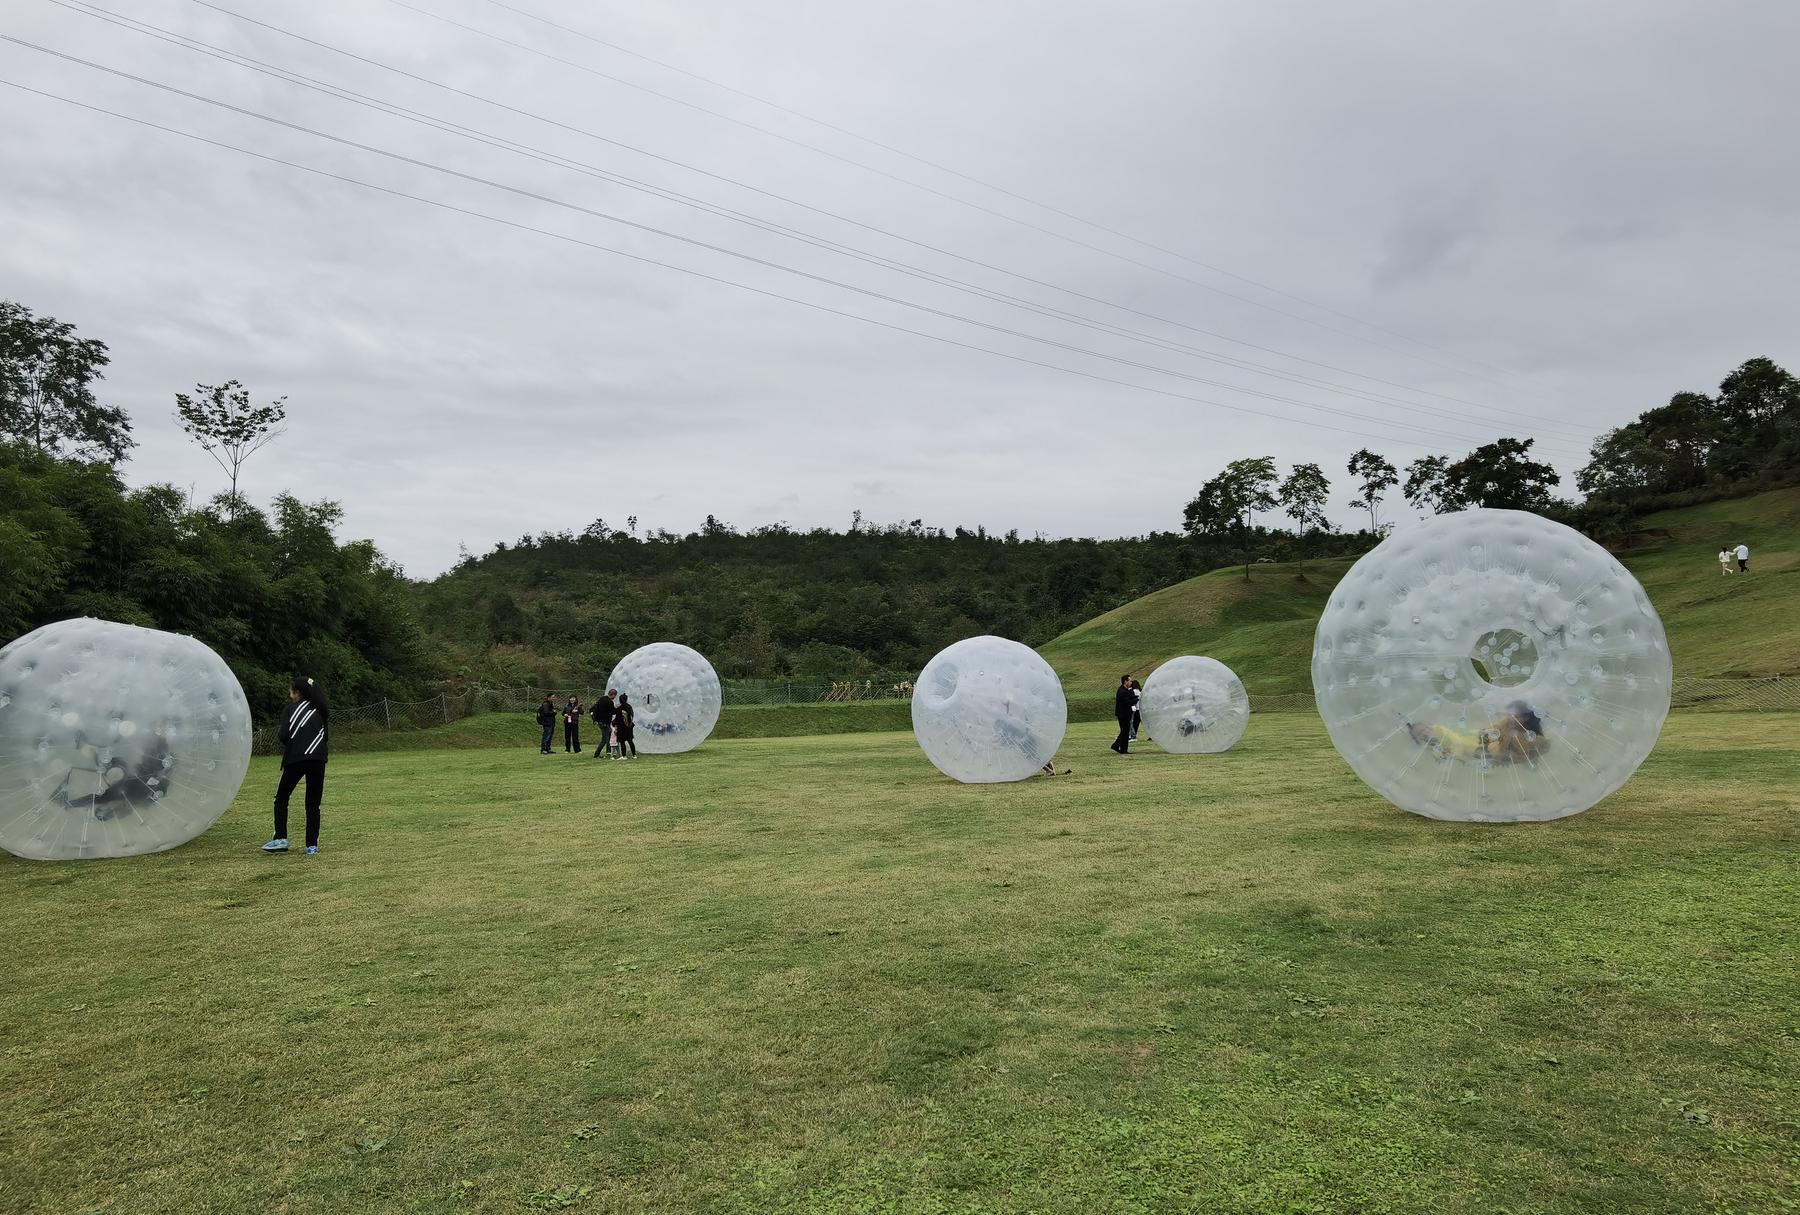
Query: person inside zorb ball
(1195, 706)
(1491, 666)
(115, 740)
(674, 693)
(987, 710)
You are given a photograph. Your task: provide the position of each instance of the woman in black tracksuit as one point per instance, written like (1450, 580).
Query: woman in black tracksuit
(304, 752)
(625, 721)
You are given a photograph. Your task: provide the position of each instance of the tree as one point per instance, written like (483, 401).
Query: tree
(228, 427)
(1303, 496)
(1425, 486)
(1225, 503)
(46, 389)
(1377, 477)
(1756, 403)
(1666, 449)
(1501, 475)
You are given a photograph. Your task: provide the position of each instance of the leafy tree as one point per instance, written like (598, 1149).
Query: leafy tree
(1376, 476)
(228, 427)
(1758, 405)
(46, 389)
(1303, 495)
(1426, 487)
(1501, 474)
(1225, 504)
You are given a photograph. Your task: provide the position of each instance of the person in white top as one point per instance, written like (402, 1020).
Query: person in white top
(1743, 556)
(1725, 561)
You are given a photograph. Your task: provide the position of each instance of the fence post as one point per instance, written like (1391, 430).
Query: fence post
(387, 718)
(444, 699)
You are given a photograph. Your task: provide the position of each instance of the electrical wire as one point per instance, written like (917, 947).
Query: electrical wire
(761, 224)
(1513, 416)
(720, 249)
(700, 274)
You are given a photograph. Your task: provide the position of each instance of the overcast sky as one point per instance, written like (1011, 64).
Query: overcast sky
(1473, 220)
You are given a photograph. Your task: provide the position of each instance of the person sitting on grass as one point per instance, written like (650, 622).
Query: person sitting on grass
(1516, 736)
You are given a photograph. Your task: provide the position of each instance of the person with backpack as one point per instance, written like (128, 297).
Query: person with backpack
(304, 752)
(546, 717)
(624, 720)
(604, 711)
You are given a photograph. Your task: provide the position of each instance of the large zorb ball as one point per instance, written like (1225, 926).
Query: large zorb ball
(1491, 666)
(1195, 706)
(674, 692)
(987, 709)
(115, 740)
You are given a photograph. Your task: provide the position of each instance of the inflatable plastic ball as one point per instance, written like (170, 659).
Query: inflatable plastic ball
(987, 710)
(1491, 666)
(115, 740)
(674, 692)
(1194, 706)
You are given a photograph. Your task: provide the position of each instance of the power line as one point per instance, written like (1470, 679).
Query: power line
(722, 249)
(979, 181)
(1513, 416)
(880, 172)
(505, 144)
(700, 274)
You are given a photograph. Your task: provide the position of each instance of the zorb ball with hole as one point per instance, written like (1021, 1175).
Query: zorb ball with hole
(674, 692)
(115, 740)
(1195, 706)
(1491, 666)
(987, 709)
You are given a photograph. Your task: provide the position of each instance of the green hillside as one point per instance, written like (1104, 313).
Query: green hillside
(1263, 628)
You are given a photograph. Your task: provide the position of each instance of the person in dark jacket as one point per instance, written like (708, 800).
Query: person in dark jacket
(305, 749)
(603, 718)
(1124, 705)
(1137, 708)
(546, 717)
(624, 720)
(572, 714)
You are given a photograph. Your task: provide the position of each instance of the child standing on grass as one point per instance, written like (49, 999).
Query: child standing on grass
(303, 756)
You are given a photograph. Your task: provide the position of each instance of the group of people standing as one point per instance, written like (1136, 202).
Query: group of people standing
(1742, 553)
(612, 714)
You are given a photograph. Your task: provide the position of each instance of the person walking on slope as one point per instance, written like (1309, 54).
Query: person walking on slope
(303, 755)
(1743, 558)
(546, 717)
(1725, 561)
(572, 712)
(603, 718)
(624, 719)
(1124, 703)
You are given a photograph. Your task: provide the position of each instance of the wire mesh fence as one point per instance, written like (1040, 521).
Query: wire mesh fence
(1775, 694)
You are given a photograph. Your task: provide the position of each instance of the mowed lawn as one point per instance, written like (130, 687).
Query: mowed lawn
(809, 974)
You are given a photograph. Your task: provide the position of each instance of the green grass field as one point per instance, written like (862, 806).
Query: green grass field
(811, 975)
(1263, 628)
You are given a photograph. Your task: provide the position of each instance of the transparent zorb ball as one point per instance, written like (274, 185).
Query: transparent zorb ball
(1491, 666)
(115, 740)
(987, 710)
(1194, 706)
(674, 694)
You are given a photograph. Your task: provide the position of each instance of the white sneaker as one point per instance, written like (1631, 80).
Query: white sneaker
(276, 846)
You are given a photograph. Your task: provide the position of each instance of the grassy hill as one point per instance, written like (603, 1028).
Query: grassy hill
(1263, 628)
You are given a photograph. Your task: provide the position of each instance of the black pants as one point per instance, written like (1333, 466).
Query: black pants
(571, 736)
(314, 772)
(1743, 565)
(605, 728)
(1122, 744)
(628, 742)
(549, 737)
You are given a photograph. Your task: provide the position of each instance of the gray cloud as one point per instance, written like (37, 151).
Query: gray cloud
(1586, 198)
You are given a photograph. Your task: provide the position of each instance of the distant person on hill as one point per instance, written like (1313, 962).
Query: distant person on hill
(303, 755)
(572, 712)
(546, 717)
(1725, 561)
(1137, 708)
(1743, 556)
(603, 718)
(624, 723)
(1124, 704)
